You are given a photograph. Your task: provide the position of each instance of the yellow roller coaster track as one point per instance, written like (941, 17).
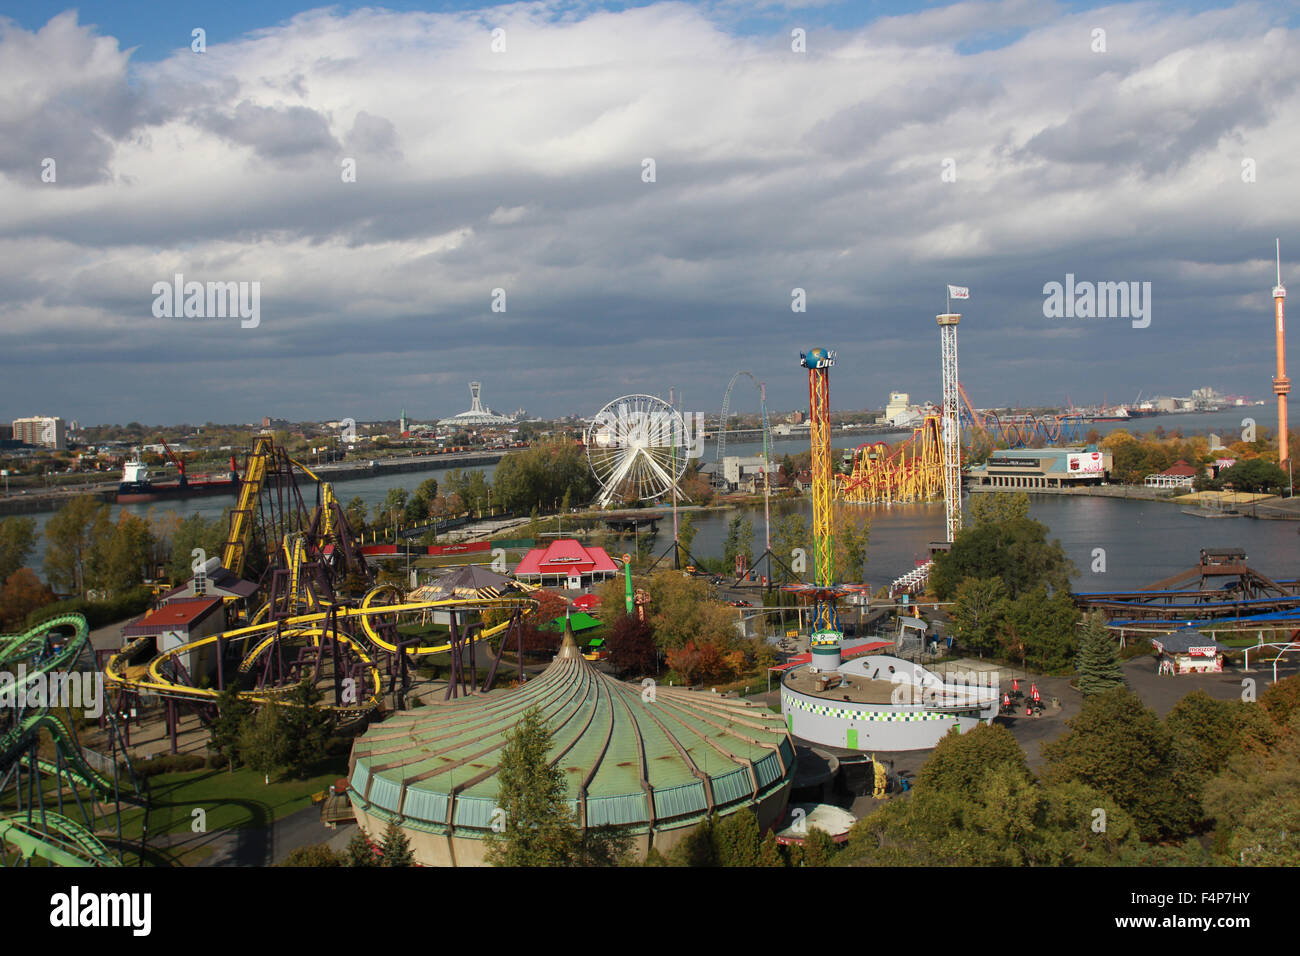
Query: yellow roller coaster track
(312, 627)
(911, 472)
(242, 518)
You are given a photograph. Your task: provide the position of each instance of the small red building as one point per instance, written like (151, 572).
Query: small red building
(566, 563)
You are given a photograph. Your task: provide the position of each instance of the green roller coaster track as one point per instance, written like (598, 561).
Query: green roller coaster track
(36, 832)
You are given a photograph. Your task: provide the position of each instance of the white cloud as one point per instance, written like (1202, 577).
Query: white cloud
(774, 169)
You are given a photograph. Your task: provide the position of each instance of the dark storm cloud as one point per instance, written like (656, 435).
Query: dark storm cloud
(773, 172)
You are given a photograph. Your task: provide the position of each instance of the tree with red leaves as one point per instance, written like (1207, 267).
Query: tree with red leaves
(23, 593)
(632, 648)
(538, 638)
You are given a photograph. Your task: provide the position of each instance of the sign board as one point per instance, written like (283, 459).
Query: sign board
(791, 633)
(460, 548)
(1086, 463)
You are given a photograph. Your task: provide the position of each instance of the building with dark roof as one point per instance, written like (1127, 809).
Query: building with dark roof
(656, 762)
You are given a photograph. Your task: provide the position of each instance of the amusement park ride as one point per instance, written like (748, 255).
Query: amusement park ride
(305, 626)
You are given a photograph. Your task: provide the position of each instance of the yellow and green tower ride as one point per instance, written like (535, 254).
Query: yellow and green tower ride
(826, 636)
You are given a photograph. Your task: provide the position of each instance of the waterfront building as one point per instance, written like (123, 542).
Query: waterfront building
(1029, 468)
(742, 474)
(1178, 475)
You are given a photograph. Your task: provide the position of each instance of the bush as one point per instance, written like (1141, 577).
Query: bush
(97, 613)
(169, 763)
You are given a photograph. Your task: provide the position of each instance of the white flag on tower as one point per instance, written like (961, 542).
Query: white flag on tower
(958, 292)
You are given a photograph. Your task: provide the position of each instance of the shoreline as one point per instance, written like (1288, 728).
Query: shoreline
(1274, 508)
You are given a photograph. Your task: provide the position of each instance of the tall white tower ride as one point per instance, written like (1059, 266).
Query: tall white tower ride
(951, 424)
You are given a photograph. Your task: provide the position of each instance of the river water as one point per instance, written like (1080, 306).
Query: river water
(1143, 541)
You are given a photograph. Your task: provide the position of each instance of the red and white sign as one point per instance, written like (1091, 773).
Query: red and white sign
(459, 548)
(1087, 463)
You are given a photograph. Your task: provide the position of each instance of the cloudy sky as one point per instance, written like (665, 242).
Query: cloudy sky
(994, 144)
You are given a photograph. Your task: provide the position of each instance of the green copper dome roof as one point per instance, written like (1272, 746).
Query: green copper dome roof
(630, 757)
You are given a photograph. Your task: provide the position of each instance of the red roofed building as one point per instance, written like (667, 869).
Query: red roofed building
(181, 621)
(566, 559)
(1178, 475)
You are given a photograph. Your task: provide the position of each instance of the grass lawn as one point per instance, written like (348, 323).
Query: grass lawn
(231, 801)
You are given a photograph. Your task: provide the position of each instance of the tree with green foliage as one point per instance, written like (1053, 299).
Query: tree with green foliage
(1254, 475)
(769, 851)
(359, 851)
(977, 614)
(682, 609)
(536, 824)
(396, 848)
(74, 535)
(686, 532)
(1015, 550)
(123, 559)
(959, 760)
(392, 510)
(791, 532)
(261, 743)
(852, 535)
(739, 543)
(1119, 747)
(697, 848)
(541, 476)
(318, 854)
(818, 848)
(976, 804)
(996, 507)
(1208, 733)
(356, 514)
(1042, 630)
(736, 839)
(226, 731)
(195, 531)
(1098, 663)
(17, 541)
(306, 727)
(418, 504)
(1255, 801)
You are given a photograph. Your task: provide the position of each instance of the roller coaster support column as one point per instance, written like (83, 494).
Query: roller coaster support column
(950, 429)
(171, 722)
(516, 623)
(825, 639)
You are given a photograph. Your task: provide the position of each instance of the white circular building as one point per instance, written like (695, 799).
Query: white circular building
(478, 416)
(879, 702)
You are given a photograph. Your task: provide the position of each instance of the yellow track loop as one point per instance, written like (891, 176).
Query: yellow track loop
(310, 626)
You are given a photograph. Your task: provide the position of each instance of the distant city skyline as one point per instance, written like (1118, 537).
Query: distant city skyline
(568, 204)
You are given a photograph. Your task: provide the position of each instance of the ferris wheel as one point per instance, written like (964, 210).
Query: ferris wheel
(637, 446)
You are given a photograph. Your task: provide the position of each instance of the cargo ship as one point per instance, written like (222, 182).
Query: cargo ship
(137, 485)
